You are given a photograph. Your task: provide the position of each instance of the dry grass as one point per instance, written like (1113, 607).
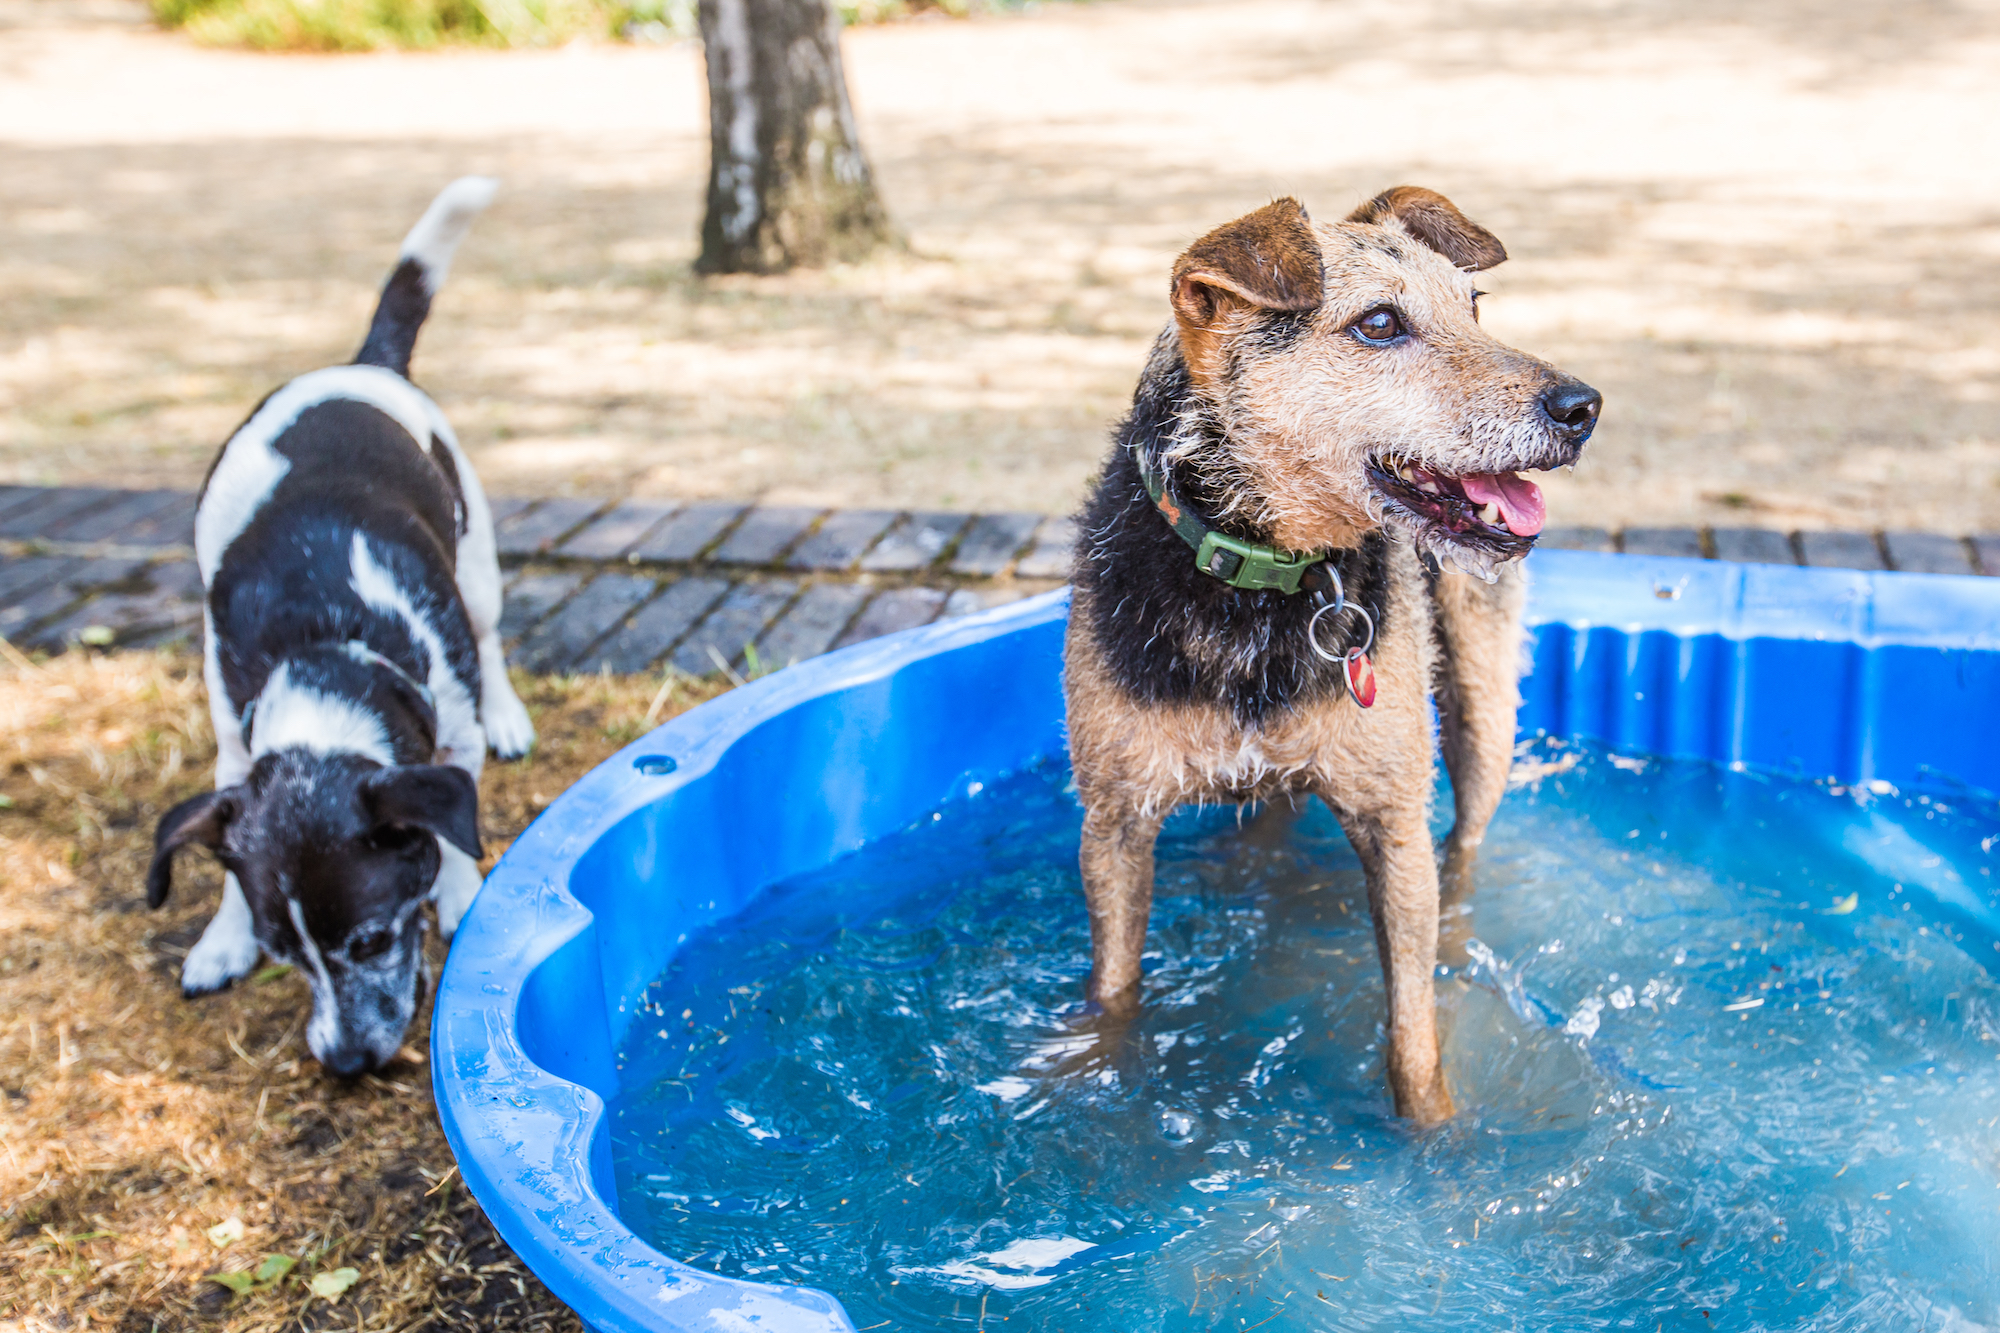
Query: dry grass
(132, 1122)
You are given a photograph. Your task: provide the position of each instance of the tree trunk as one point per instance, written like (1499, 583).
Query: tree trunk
(787, 183)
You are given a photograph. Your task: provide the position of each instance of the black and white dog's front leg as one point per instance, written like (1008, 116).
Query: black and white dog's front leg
(228, 948)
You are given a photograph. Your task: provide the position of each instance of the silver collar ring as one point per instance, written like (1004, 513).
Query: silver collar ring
(1312, 632)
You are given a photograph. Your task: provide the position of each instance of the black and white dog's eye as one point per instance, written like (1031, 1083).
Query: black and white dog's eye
(394, 838)
(370, 945)
(1378, 326)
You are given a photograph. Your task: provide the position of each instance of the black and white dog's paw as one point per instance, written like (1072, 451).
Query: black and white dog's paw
(509, 732)
(226, 951)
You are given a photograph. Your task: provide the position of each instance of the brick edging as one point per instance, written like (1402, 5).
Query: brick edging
(637, 585)
(1910, 552)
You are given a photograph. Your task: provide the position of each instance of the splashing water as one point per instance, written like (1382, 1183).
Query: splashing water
(1726, 1051)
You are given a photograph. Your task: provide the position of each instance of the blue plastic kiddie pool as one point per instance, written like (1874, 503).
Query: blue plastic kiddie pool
(1869, 682)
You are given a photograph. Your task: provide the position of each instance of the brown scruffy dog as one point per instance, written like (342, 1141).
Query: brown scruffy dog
(1304, 534)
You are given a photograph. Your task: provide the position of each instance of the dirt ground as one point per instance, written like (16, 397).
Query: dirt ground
(132, 1122)
(1771, 234)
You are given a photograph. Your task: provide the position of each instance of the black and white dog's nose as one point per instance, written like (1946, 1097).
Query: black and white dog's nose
(1573, 406)
(351, 1061)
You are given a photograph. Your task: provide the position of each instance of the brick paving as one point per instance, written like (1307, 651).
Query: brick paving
(638, 585)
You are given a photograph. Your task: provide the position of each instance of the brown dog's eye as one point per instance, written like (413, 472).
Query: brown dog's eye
(1379, 326)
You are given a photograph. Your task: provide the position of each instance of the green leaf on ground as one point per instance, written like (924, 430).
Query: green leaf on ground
(274, 1267)
(267, 1274)
(332, 1286)
(271, 973)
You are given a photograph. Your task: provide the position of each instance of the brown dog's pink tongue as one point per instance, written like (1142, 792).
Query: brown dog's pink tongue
(1520, 500)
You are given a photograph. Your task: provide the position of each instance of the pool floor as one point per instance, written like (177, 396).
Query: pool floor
(1726, 1049)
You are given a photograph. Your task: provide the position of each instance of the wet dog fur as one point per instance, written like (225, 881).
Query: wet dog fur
(355, 677)
(1322, 388)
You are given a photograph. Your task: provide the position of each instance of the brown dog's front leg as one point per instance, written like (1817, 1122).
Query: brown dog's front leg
(1117, 864)
(1403, 898)
(1478, 699)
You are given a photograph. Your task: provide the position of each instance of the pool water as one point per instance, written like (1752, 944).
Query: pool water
(1726, 1051)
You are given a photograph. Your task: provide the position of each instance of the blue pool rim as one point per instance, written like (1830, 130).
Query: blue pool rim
(1848, 675)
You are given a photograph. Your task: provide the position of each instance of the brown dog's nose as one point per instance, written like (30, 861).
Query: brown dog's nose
(1573, 407)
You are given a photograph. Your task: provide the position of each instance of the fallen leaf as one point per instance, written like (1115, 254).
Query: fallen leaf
(1842, 906)
(226, 1233)
(274, 1267)
(263, 1277)
(97, 636)
(271, 973)
(332, 1286)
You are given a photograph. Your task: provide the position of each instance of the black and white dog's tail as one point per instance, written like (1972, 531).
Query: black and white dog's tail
(420, 271)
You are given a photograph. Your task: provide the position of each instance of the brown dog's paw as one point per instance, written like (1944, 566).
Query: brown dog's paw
(1115, 1009)
(1428, 1106)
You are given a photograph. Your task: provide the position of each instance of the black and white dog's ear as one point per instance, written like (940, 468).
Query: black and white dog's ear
(436, 798)
(203, 819)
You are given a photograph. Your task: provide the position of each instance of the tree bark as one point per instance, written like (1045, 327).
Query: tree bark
(788, 184)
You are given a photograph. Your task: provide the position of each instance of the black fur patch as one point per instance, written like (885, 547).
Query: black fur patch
(285, 586)
(1169, 633)
(392, 334)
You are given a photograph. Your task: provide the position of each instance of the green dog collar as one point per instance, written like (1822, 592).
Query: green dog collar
(1251, 566)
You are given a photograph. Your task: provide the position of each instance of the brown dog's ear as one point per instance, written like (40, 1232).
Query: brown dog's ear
(1436, 221)
(436, 798)
(1267, 260)
(203, 819)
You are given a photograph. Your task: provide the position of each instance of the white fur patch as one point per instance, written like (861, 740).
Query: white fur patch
(435, 238)
(323, 1031)
(251, 467)
(461, 740)
(289, 716)
(227, 949)
(509, 729)
(457, 884)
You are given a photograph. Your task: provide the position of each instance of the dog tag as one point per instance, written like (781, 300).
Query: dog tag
(1360, 678)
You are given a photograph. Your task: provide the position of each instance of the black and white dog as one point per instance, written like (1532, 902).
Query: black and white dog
(355, 676)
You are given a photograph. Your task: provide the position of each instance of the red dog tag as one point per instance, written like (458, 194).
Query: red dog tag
(1360, 678)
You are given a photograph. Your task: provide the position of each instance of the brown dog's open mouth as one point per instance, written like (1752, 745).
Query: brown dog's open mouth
(1501, 511)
